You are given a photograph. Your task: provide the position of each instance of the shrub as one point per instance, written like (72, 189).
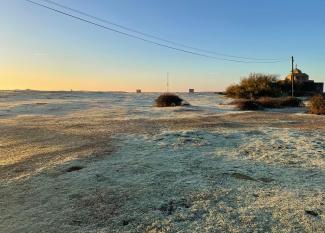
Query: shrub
(266, 102)
(168, 100)
(235, 91)
(317, 105)
(282, 102)
(255, 86)
(290, 102)
(247, 105)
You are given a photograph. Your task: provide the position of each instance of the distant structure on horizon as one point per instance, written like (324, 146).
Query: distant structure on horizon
(138, 91)
(191, 90)
(303, 85)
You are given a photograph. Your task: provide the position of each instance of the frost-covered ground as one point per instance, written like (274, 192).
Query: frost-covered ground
(104, 162)
(112, 105)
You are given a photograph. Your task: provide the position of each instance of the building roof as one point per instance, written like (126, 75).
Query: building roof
(298, 75)
(297, 71)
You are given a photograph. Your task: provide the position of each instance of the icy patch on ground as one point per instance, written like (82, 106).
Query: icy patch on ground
(287, 147)
(184, 182)
(114, 105)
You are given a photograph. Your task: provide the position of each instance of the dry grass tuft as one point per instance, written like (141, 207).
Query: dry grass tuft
(99, 207)
(317, 105)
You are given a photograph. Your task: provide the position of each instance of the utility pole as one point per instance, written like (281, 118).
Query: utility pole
(292, 77)
(167, 82)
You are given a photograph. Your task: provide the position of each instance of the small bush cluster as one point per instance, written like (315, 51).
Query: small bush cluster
(282, 102)
(168, 100)
(255, 86)
(317, 105)
(247, 105)
(266, 102)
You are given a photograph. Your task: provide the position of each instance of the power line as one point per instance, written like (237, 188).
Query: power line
(156, 37)
(143, 39)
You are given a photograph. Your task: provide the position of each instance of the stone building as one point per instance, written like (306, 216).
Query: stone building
(298, 76)
(303, 85)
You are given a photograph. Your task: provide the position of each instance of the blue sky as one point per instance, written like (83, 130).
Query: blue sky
(40, 49)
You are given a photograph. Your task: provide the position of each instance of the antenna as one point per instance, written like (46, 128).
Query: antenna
(167, 81)
(292, 77)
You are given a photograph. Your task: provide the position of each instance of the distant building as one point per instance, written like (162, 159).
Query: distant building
(138, 91)
(303, 85)
(298, 76)
(191, 90)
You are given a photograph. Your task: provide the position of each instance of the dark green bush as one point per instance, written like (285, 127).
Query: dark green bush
(168, 100)
(317, 105)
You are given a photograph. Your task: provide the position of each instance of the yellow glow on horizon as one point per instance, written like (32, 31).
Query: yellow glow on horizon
(53, 79)
(45, 81)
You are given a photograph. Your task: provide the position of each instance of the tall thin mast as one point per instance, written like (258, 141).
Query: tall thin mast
(292, 77)
(167, 81)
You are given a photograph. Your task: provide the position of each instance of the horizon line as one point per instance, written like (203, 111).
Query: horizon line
(94, 91)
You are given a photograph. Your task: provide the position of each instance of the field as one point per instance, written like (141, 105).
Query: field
(84, 162)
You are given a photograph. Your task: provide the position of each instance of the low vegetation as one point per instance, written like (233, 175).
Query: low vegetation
(317, 105)
(266, 102)
(255, 86)
(259, 91)
(168, 100)
(282, 102)
(244, 104)
(267, 85)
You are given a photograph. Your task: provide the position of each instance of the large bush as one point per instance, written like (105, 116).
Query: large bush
(255, 86)
(317, 105)
(168, 100)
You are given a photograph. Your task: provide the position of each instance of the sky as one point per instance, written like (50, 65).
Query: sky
(43, 50)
